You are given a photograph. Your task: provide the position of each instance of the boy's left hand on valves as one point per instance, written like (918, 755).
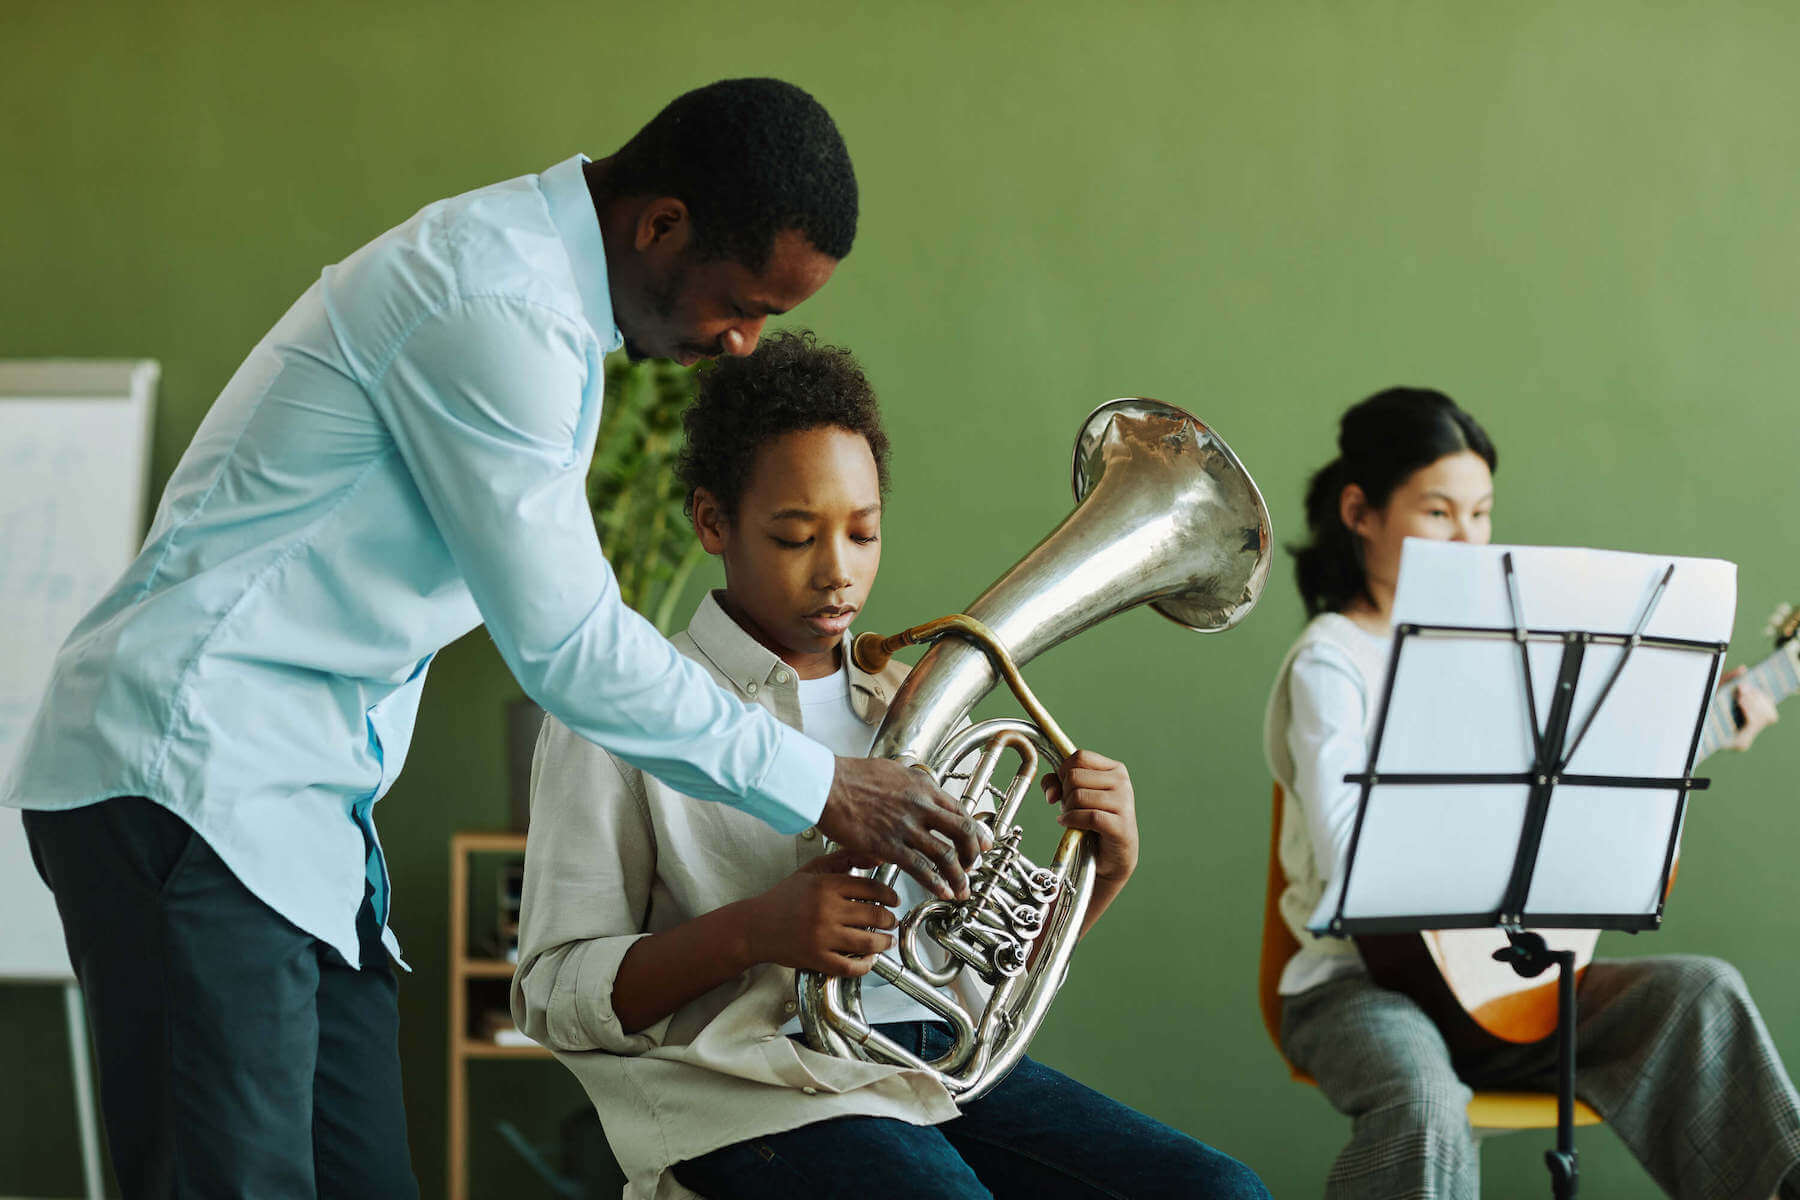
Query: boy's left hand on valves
(1095, 794)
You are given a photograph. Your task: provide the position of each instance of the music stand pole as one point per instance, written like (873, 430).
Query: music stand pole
(1530, 956)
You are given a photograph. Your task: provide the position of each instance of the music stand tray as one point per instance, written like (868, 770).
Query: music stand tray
(1532, 754)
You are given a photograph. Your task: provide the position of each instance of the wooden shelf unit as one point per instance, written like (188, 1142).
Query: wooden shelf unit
(465, 970)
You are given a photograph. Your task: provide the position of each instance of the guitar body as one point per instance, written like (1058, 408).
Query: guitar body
(1475, 1000)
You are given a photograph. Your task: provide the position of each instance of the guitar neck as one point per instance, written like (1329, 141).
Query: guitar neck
(1777, 675)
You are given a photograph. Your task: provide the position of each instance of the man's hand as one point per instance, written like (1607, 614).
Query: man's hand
(1754, 704)
(822, 919)
(1095, 794)
(896, 814)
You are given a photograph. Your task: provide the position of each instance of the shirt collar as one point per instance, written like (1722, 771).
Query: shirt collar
(572, 211)
(746, 661)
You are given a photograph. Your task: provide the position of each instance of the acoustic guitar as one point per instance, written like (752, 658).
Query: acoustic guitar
(1452, 973)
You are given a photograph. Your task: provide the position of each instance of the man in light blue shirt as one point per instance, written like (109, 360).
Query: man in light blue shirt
(402, 458)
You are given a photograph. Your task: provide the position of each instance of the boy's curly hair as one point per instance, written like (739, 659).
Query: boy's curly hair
(791, 383)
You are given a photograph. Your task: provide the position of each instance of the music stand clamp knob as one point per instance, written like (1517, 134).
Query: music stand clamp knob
(1526, 952)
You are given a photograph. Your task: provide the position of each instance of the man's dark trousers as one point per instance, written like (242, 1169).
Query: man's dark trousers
(238, 1055)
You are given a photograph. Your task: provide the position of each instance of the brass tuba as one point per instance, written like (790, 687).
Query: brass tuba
(1165, 515)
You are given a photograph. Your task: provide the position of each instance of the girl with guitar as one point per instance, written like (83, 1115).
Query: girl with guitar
(1671, 1050)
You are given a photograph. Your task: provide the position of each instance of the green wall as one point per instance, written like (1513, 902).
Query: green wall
(1576, 217)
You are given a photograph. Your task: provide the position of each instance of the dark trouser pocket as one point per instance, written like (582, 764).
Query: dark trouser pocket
(137, 838)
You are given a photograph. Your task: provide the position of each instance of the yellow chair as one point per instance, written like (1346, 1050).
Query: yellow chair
(1489, 1112)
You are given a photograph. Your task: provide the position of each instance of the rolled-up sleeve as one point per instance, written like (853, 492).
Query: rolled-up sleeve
(590, 861)
(491, 403)
(1326, 741)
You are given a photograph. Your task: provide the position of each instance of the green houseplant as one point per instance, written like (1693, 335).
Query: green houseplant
(637, 505)
(632, 489)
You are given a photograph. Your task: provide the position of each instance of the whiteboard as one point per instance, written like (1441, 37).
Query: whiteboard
(74, 470)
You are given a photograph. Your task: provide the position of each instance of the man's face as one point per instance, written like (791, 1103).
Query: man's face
(686, 309)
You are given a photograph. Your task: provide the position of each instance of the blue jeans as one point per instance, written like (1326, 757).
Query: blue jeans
(1039, 1135)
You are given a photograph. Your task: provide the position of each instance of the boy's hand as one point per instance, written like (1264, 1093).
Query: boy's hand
(822, 919)
(1095, 794)
(1754, 704)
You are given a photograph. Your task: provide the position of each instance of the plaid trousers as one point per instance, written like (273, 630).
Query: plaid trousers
(1671, 1051)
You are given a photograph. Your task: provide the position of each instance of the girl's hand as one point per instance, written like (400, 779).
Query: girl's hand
(822, 919)
(1759, 711)
(1095, 794)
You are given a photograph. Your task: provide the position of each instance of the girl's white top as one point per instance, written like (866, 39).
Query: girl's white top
(1316, 731)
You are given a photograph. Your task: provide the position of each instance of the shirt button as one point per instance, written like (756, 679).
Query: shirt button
(750, 688)
(781, 677)
(790, 1008)
(809, 833)
(811, 1091)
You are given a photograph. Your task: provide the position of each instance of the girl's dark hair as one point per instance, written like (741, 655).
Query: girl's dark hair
(791, 383)
(1381, 442)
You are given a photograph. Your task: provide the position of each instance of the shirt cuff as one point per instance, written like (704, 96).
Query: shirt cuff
(791, 794)
(593, 974)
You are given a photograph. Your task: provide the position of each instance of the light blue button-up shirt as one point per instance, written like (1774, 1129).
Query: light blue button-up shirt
(402, 458)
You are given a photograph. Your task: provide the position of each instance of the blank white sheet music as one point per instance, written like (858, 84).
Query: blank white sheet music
(1458, 706)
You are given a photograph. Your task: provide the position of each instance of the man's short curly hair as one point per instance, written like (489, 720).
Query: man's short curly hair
(751, 158)
(790, 384)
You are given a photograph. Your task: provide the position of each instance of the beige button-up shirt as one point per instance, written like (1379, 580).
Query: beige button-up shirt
(614, 855)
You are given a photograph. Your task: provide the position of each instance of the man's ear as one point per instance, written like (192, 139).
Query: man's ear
(1353, 509)
(663, 223)
(709, 522)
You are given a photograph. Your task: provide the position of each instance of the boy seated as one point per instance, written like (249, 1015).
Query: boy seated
(659, 934)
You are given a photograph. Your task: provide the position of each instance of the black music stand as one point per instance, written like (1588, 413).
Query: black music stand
(1545, 769)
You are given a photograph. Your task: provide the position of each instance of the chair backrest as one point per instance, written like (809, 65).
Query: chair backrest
(1278, 942)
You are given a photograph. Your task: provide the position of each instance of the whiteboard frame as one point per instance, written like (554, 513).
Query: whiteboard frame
(78, 380)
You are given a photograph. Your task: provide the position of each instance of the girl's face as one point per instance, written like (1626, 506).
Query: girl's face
(1450, 500)
(803, 548)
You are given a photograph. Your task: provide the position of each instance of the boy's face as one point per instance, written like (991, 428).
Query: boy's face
(802, 550)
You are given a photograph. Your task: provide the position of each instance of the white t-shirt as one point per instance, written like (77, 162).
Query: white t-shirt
(828, 718)
(1315, 732)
